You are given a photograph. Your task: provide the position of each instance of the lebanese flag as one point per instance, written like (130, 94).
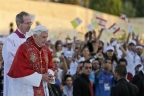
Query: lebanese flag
(124, 17)
(101, 21)
(114, 28)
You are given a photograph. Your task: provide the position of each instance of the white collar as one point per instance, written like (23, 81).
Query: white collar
(20, 31)
(38, 45)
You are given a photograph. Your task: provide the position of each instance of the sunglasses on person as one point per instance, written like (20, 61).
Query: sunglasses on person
(88, 67)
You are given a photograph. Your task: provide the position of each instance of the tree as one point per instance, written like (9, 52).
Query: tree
(128, 8)
(139, 6)
(108, 6)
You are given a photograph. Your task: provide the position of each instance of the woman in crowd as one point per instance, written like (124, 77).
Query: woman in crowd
(58, 48)
(68, 87)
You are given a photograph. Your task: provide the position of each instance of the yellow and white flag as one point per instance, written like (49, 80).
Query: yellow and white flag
(93, 25)
(76, 22)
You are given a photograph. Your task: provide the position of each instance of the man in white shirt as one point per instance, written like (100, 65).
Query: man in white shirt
(12, 42)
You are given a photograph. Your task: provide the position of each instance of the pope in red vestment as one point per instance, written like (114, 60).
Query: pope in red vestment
(30, 59)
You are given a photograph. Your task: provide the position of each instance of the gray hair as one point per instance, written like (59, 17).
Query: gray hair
(39, 32)
(19, 17)
(39, 29)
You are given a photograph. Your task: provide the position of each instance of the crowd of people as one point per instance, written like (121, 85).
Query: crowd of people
(34, 66)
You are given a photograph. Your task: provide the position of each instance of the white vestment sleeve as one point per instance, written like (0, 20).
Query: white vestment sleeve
(31, 80)
(10, 46)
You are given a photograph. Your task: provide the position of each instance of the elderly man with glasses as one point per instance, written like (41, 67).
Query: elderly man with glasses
(29, 71)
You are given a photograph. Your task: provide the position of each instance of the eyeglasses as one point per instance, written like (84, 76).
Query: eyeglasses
(28, 23)
(88, 67)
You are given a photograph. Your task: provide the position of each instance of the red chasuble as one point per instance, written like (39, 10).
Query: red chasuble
(30, 58)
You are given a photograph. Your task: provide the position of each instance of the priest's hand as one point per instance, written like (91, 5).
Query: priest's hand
(45, 77)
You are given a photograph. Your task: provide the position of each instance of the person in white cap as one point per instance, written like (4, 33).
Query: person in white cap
(110, 53)
(130, 57)
(28, 74)
(12, 42)
(139, 50)
(54, 90)
(69, 47)
(60, 72)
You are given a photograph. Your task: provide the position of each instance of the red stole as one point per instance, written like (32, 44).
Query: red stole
(129, 76)
(91, 89)
(20, 34)
(38, 58)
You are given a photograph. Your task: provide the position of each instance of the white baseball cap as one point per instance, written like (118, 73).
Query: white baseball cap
(139, 47)
(109, 48)
(132, 42)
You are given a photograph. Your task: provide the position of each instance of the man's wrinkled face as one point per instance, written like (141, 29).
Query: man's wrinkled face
(26, 25)
(41, 39)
